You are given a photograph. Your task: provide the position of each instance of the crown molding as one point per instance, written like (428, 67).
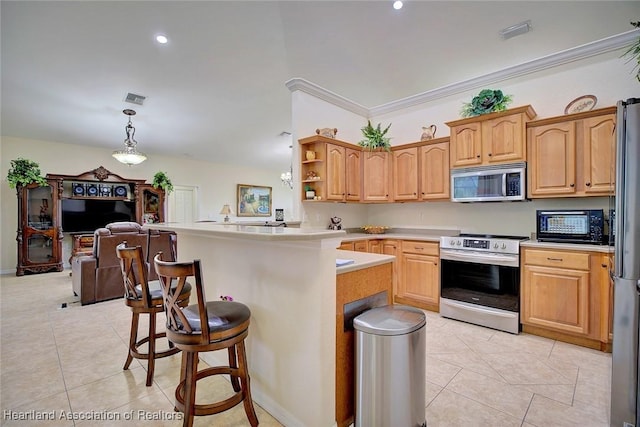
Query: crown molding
(577, 53)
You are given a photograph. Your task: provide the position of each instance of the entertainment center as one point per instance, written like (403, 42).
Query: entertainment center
(78, 205)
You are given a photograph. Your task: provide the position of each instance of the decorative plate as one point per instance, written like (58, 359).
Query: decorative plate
(581, 104)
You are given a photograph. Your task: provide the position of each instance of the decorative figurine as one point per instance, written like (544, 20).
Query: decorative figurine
(336, 223)
(327, 132)
(428, 133)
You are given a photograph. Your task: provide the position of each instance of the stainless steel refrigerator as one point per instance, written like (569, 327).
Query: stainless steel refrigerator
(626, 288)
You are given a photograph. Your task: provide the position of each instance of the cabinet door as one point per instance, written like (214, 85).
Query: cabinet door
(335, 172)
(346, 246)
(552, 160)
(466, 145)
(353, 174)
(556, 299)
(599, 149)
(375, 246)
(375, 177)
(434, 171)
(503, 139)
(391, 247)
(419, 278)
(405, 174)
(39, 234)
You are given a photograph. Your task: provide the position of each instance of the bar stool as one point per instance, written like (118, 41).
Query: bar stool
(144, 297)
(205, 326)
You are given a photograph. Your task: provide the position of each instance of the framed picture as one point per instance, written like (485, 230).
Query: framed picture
(254, 200)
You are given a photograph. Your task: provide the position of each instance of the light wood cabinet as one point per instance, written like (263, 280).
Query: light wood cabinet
(361, 246)
(333, 171)
(493, 138)
(347, 246)
(405, 174)
(419, 275)
(573, 155)
(565, 294)
(374, 246)
(376, 178)
(392, 247)
(434, 171)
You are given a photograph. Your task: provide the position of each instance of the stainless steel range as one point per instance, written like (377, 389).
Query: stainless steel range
(480, 280)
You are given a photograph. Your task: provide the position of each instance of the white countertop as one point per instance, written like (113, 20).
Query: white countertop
(362, 260)
(567, 246)
(400, 236)
(248, 232)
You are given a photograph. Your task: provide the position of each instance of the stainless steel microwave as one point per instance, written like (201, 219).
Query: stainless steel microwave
(489, 183)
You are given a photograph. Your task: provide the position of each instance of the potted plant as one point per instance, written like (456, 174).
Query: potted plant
(487, 101)
(309, 192)
(374, 137)
(161, 180)
(24, 172)
(634, 52)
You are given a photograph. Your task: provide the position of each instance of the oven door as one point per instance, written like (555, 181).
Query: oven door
(485, 279)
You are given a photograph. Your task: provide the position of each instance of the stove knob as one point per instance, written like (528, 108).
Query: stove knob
(504, 246)
(458, 243)
(452, 242)
(495, 246)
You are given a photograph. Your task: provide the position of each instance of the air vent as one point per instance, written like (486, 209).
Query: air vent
(135, 99)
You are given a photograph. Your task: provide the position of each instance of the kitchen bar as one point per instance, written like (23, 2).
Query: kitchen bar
(287, 277)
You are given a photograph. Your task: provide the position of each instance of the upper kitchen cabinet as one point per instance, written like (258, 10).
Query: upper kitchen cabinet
(331, 168)
(434, 170)
(492, 138)
(376, 179)
(572, 155)
(421, 171)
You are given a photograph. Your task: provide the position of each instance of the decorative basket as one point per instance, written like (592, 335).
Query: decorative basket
(375, 229)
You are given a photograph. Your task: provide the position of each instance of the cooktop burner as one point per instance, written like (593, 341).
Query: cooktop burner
(493, 236)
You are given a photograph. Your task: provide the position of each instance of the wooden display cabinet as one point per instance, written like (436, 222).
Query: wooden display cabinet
(150, 204)
(39, 234)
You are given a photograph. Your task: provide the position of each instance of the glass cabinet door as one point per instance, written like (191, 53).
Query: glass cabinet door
(39, 208)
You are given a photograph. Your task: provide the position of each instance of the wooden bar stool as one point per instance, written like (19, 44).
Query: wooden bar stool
(205, 326)
(144, 297)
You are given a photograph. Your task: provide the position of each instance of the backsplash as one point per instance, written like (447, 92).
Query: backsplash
(513, 218)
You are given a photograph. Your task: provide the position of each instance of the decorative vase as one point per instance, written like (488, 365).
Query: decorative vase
(310, 194)
(311, 155)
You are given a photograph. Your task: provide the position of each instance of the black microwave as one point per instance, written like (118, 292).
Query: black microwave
(570, 226)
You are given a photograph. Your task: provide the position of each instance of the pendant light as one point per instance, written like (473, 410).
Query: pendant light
(130, 155)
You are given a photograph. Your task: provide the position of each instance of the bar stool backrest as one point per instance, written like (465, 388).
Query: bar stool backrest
(176, 274)
(134, 272)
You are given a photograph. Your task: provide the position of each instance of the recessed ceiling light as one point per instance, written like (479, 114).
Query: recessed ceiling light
(162, 39)
(397, 5)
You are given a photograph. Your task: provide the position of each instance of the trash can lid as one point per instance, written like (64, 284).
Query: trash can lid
(390, 320)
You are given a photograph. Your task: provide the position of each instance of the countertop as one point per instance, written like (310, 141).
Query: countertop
(361, 260)
(424, 235)
(567, 246)
(249, 232)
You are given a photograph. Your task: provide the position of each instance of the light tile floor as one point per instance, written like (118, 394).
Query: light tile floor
(69, 361)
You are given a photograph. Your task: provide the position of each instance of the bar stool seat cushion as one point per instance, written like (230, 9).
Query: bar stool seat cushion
(222, 315)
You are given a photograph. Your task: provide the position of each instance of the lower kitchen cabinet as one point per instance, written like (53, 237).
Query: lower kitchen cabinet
(564, 296)
(347, 246)
(361, 246)
(419, 275)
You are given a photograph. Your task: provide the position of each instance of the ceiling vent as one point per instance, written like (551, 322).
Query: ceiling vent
(135, 99)
(515, 30)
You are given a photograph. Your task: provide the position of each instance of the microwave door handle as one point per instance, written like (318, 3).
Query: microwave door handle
(504, 184)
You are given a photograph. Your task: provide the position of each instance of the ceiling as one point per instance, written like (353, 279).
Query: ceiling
(216, 91)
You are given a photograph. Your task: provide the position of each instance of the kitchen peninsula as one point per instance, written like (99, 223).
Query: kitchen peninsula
(287, 277)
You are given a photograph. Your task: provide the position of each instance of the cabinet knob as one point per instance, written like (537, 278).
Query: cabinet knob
(489, 154)
(572, 185)
(415, 194)
(478, 156)
(588, 184)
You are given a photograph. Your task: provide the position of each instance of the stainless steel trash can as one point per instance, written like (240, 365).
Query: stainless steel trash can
(390, 367)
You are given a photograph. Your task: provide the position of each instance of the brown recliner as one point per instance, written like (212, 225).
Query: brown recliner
(98, 277)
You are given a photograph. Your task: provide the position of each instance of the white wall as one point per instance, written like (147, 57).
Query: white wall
(608, 77)
(216, 182)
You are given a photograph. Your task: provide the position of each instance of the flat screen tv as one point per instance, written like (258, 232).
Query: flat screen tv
(86, 215)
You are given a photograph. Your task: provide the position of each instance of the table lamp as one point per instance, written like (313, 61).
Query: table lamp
(226, 210)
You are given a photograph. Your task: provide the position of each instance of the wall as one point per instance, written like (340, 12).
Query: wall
(608, 77)
(216, 183)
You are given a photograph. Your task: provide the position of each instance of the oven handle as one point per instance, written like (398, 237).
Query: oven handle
(480, 258)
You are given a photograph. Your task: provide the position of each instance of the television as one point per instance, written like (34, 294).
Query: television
(86, 215)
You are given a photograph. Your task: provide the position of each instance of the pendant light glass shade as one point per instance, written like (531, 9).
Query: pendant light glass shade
(130, 155)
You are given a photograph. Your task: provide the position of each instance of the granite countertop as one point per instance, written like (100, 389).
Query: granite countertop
(361, 260)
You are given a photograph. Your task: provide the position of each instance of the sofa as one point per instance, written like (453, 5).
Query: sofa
(97, 277)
